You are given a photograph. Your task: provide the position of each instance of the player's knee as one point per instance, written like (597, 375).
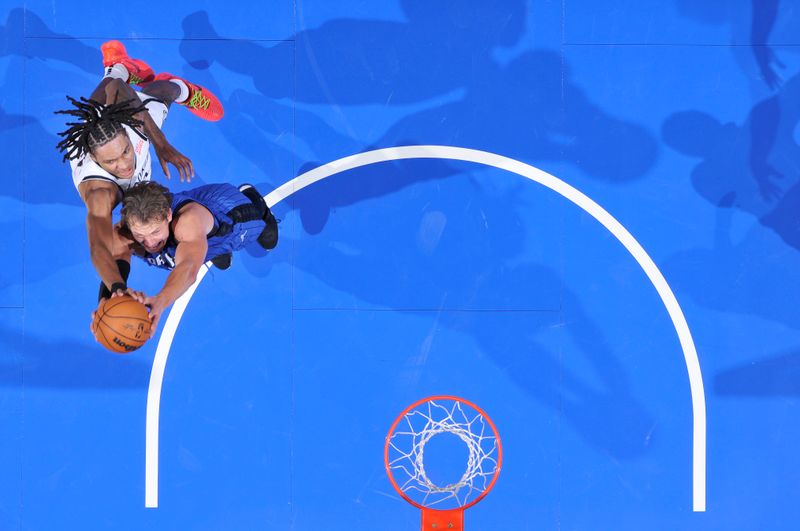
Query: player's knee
(166, 91)
(116, 84)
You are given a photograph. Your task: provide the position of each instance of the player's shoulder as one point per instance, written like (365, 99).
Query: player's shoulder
(192, 221)
(139, 143)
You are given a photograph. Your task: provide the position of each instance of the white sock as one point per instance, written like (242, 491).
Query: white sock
(117, 71)
(184, 95)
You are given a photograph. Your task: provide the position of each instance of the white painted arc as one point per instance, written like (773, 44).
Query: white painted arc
(154, 390)
(487, 159)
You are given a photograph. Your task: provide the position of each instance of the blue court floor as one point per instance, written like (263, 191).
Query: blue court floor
(582, 215)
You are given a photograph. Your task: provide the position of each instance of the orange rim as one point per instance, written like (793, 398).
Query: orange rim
(455, 399)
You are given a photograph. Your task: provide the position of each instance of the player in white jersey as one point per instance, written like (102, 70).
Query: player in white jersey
(85, 168)
(108, 146)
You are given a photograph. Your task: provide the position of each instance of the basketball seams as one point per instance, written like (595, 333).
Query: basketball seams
(123, 336)
(129, 308)
(128, 318)
(120, 300)
(106, 343)
(110, 312)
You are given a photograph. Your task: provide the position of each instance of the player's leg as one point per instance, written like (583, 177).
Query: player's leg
(223, 261)
(99, 93)
(166, 91)
(199, 100)
(250, 221)
(268, 238)
(118, 65)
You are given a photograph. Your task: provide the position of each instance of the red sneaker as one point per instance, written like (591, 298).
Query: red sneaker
(139, 72)
(200, 101)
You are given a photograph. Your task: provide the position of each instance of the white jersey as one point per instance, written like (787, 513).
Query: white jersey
(85, 169)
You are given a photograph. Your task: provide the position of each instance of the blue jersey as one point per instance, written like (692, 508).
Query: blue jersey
(237, 222)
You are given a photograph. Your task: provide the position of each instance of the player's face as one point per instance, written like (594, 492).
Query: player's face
(116, 157)
(152, 235)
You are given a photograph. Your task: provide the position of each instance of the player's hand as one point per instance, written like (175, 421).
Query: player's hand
(94, 314)
(140, 296)
(154, 305)
(118, 293)
(156, 309)
(169, 155)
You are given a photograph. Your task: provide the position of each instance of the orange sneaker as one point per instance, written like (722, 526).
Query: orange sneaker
(200, 101)
(139, 72)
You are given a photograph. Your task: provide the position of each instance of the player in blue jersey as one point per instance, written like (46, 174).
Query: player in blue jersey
(180, 232)
(108, 144)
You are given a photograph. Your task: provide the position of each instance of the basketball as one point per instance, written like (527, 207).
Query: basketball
(122, 324)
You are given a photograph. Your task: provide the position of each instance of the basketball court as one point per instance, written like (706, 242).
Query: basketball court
(579, 217)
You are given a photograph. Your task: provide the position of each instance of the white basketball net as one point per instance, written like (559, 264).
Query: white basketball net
(407, 450)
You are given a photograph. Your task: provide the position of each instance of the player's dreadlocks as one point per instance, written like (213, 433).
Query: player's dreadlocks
(97, 125)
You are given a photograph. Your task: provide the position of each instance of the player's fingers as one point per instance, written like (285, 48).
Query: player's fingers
(181, 170)
(154, 322)
(191, 169)
(164, 166)
(187, 169)
(137, 295)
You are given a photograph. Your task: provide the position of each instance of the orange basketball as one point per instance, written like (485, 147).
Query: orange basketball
(122, 324)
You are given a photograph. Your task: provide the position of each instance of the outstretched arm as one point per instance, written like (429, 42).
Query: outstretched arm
(121, 250)
(100, 198)
(190, 232)
(117, 90)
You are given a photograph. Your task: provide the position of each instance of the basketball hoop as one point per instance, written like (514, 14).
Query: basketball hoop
(442, 506)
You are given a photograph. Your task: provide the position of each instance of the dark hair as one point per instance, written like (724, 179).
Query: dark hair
(97, 124)
(146, 201)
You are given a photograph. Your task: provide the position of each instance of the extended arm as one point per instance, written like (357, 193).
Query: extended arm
(190, 232)
(121, 250)
(100, 198)
(117, 90)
